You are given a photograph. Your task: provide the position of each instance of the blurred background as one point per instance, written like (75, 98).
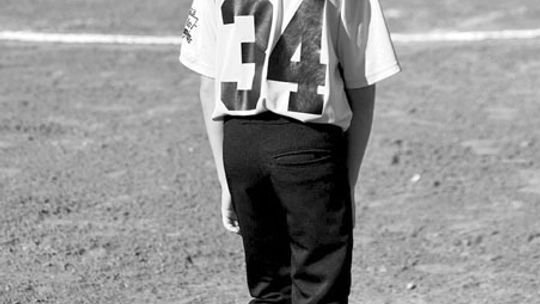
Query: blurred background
(108, 192)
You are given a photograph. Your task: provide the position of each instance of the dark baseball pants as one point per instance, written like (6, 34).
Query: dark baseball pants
(290, 190)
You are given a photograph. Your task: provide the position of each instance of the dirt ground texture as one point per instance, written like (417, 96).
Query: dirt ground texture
(108, 191)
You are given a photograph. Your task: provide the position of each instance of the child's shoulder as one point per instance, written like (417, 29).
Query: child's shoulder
(352, 7)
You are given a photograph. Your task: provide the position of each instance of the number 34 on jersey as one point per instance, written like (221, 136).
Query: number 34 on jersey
(294, 60)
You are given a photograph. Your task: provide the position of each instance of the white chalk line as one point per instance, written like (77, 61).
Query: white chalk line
(86, 38)
(467, 36)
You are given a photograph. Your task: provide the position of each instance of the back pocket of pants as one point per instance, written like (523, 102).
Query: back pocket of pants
(303, 157)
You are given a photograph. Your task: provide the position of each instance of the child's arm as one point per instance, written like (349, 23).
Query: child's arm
(214, 129)
(362, 103)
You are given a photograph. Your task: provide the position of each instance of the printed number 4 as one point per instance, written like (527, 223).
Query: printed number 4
(304, 31)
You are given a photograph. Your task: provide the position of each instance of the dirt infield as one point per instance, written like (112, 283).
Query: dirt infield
(108, 192)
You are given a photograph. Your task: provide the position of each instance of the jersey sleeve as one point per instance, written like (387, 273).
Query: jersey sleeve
(198, 46)
(364, 47)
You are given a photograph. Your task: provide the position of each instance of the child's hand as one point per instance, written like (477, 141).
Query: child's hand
(230, 221)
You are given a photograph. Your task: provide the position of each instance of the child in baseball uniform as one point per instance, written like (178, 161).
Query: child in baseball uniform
(287, 89)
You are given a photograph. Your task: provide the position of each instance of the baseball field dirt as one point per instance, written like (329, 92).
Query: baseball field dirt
(108, 192)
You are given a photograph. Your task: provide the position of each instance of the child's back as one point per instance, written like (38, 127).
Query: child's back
(287, 91)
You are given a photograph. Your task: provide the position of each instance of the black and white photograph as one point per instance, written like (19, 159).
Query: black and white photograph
(269, 152)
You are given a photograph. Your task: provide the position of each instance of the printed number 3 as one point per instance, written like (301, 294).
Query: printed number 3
(304, 31)
(252, 52)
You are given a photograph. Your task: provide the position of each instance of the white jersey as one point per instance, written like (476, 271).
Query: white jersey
(292, 57)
